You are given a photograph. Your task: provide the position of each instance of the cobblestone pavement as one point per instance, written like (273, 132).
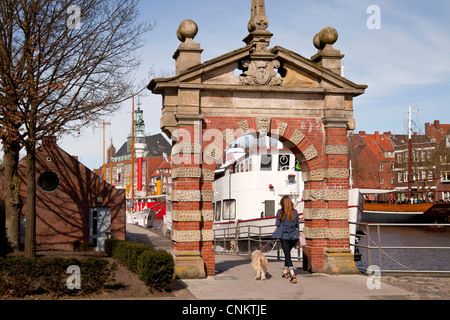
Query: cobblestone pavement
(421, 288)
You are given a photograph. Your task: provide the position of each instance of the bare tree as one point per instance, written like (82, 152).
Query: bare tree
(67, 63)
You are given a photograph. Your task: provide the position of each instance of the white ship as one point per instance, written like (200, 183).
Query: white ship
(248, 190)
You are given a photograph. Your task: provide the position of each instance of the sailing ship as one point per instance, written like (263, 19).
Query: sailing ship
(403, 206)
(382, 206)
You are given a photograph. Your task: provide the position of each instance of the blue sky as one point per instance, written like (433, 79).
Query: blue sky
(406, 62)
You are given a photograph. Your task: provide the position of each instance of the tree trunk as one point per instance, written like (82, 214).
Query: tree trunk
(30, 228)
(13, 202)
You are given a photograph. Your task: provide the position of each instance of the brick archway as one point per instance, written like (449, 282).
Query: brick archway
(307, 105)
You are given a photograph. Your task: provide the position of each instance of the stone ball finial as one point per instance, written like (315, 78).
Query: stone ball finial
(328, 35)
(188, 29)
(316, 42)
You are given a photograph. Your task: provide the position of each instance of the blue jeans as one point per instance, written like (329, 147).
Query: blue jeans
(287, 246)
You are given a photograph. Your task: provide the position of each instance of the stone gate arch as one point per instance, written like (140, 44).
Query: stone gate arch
(304, 103)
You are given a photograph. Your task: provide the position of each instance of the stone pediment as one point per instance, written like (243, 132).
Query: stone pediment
(285, 71)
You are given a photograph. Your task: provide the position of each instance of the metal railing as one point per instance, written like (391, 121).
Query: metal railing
(370, 245)
(243, 240)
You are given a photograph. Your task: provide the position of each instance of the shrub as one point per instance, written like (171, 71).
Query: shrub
(110, 245)
(20, 276)
(128, 253)
(156, 269)
(96, 274)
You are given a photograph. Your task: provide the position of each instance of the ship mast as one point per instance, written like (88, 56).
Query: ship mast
(409, 154)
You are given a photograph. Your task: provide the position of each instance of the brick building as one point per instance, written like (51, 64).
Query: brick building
(372, 157)
(72, 202)
(118, 167)
(380, 161)
(163, 174)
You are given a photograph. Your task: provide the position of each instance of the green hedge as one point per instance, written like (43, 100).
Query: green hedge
(154, 267)
(20, 276)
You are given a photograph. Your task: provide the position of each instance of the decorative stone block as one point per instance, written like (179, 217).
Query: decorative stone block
(228, 136)
(339, 261)
(208, 175)
(310, 153)
(336, 149)
(263, 125)
(207, 235)
(337, 214)
(189, 265)
(243, 127)
(207, 195)
(315, 233)
(337, 173)
(322, 174)
(207, 215)
(186, 148)
(326, 233)
(316, 175)
(281, 128)
(214, 152)
(186, 172)
(315, 214)
(337, 195)
(187, 215)
(297, 137)
(325, 214)
(186, 195)
(338, 233)
(186, 235)
(314, 195)
(325, 195)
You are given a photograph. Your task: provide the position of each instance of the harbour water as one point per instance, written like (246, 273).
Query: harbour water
(428, 259)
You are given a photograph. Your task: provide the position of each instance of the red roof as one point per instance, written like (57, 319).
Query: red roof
(380, 144)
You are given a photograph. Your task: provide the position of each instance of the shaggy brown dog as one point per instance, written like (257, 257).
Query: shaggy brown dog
(259, 264)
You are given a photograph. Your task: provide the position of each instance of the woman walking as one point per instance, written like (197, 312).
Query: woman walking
(287, 222)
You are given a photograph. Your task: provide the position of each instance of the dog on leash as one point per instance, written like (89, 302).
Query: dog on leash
(259, 264)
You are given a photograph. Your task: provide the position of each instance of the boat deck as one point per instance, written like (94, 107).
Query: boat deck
(396, 207)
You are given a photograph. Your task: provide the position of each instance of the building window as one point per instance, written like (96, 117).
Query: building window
(400, 177)
(381, 167)
(445, 177)
(446, 195)
(48, 181)
(381, 180)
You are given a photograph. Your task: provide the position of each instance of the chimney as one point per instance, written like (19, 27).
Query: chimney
(437, 124)
(49, 141)
(189, 52)
(428, 129)
(362, 133)
(388, 134)
(377, 136)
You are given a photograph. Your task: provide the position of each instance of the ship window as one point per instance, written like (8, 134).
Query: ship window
(283, 162)
(266, 162)
(218, 211)
(229, 209)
